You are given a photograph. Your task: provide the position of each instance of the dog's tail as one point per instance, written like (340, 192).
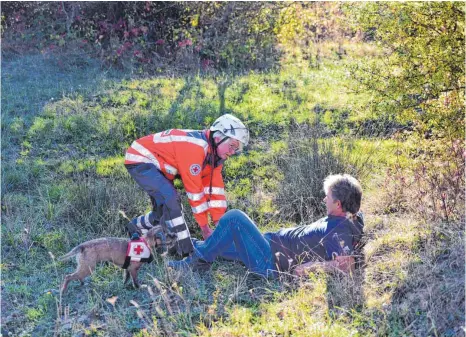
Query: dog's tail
(73, 252)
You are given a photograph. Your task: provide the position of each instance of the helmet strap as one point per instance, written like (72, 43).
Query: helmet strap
(212, 142)
(213, 159)
(223, 140)
(213, 146)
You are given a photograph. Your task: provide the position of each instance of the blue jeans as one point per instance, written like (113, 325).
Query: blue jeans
(237, 237)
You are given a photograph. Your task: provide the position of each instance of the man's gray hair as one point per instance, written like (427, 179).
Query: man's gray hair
(346, 189)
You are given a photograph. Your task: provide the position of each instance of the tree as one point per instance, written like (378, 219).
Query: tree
(303, 26)
(419, 76)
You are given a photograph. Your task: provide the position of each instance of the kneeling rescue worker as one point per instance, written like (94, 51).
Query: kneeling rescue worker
(197, 158)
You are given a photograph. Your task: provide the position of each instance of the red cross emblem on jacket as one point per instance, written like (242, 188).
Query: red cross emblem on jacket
(195, 169)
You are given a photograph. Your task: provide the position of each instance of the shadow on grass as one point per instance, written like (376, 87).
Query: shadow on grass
(430, 301)
(30, 81)
(185, 116)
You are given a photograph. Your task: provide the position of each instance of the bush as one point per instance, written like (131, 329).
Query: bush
(310, 158)
(94, 205)
(432, 187)
(147, 36)
(405, 82)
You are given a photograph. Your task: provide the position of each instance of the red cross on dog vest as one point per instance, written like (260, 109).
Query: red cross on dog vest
(137, 251)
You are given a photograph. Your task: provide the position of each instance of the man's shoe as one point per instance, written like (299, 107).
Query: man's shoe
(194, 261)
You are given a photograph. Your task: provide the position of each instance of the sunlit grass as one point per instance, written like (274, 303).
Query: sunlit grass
(65, 132)
(299, 313)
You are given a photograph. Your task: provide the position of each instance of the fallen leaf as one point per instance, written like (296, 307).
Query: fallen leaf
(112, 300)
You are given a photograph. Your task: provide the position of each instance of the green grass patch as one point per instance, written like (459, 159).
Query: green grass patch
(64, 134)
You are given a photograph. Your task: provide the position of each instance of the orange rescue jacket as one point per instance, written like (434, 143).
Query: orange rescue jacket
(185, 153)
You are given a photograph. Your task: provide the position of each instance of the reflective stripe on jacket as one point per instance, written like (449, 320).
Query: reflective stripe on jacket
(184, 152)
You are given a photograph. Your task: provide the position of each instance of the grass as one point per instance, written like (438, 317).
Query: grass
(65, 127)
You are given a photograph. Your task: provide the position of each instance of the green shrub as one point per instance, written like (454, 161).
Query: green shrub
(41, 128)
(33, 314)
(432, 185)
(308, 159)
(94, 205)
(53, 241)
(112, 166)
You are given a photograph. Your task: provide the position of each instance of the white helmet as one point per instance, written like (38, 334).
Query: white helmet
(231, 127)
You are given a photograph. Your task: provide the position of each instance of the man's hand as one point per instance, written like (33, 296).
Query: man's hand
(206, 232)
(306, 268)
(298, 271)
(343, 264)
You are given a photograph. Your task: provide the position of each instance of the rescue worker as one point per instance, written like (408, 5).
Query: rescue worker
(197, 158)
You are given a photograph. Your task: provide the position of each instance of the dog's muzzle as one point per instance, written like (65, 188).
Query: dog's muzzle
(168, 241)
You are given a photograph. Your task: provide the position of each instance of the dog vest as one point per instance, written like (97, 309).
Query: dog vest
(137, 251)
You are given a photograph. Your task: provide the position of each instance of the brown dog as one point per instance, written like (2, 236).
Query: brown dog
(107, 249)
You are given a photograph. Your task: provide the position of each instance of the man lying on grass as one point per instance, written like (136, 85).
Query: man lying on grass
(328, 243)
